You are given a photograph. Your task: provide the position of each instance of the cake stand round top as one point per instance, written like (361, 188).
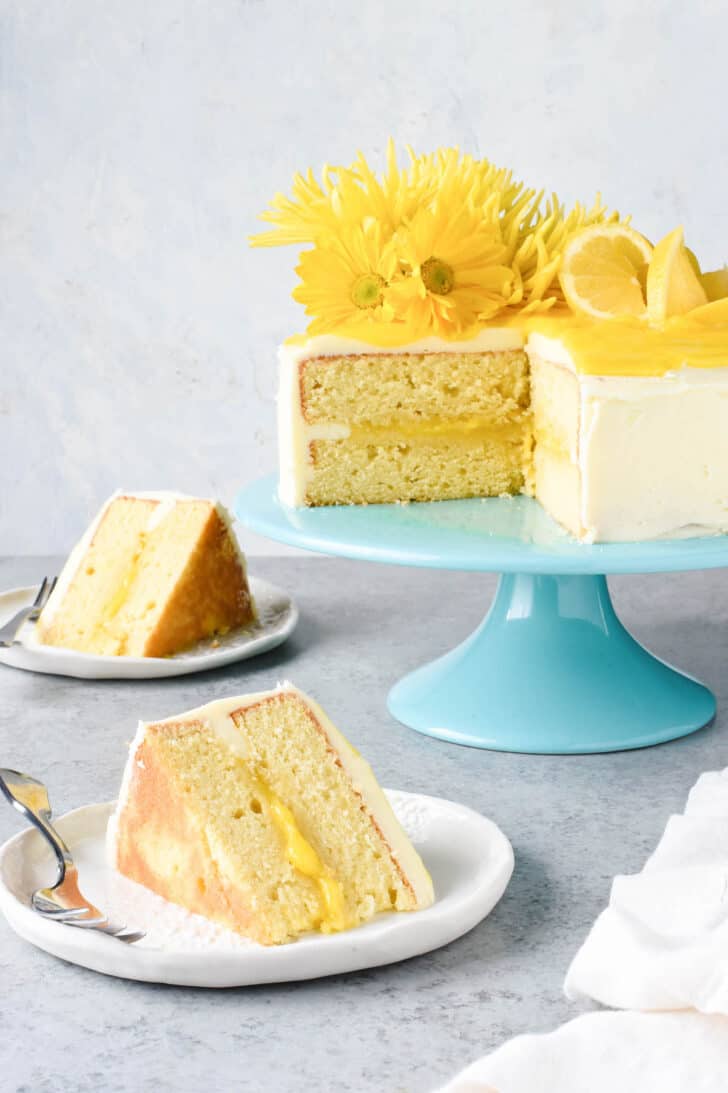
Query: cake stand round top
(497, 534)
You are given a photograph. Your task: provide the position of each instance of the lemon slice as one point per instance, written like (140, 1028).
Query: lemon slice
(715, 283)
(673, 286)
(602, 271)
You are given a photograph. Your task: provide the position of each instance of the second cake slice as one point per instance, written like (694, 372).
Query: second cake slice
(153, 574)
(256, 812)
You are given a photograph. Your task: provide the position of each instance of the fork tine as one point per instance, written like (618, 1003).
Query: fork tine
(114, 929)
(121, 933)
(98, 922)
(44, 594)
(130, 938)
(40, 597)
(72, 917)
(61, 913)
(47, 594)
(105, 927)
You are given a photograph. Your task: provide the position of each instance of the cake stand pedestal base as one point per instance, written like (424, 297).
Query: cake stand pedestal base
(551, 669)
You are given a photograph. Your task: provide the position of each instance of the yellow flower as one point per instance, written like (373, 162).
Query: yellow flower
(346, 196)
(345, 277)
(536, 238)
(440, 245)
(455, 271)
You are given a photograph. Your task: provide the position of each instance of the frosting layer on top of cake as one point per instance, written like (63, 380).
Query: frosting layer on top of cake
(488, 340)
(620, 347)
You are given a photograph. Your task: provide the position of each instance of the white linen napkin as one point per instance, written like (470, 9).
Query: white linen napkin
(662, 943)
(609, 1053)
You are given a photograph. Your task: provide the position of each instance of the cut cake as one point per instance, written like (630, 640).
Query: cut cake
(256, 812)
(471, 338)
(153, 574)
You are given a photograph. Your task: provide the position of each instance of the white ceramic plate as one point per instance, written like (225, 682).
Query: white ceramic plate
(277, 617)
(470, 860)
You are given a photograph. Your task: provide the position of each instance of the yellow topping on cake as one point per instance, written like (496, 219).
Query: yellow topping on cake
(631, 347)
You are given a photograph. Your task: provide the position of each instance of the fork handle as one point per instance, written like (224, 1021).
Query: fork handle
(10, 629)
(42, 821)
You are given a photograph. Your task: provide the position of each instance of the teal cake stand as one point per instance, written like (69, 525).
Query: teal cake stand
(551, 668)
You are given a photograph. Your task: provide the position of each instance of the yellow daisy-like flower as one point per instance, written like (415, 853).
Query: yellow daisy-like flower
(441, 245)
(344, 279)
(456, 276)
(536, 238)
(345, 196)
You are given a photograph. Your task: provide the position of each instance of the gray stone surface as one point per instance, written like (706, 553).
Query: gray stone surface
(574, 823)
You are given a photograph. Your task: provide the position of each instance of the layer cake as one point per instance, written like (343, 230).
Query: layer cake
(256, 812)
(153, 574)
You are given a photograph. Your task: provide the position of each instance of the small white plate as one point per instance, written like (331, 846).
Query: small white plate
(469, 858)
(277, 617)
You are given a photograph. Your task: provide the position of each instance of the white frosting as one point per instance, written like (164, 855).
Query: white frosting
(650, 453)
(217, 715)
(489, 340)
(167, 498)
(295, 434)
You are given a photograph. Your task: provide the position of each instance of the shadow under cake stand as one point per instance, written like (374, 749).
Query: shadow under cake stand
(551, 669)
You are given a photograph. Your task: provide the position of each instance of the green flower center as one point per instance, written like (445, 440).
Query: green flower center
(437, 276)
(367, 290)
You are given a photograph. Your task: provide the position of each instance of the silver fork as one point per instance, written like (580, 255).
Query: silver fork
(62, 901)
(9, 631)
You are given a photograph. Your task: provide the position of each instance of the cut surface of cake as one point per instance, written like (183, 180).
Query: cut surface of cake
(256, 812)
(152, 575)
(357, 425)
(621, 434)
(469, 340)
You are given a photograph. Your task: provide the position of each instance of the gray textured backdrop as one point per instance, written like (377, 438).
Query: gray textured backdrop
(140, 139)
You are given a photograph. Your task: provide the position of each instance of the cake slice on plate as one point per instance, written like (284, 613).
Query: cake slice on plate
(256, 812)
(154, 573)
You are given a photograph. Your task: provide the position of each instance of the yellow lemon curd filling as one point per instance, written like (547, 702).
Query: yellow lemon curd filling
(304, 858)
(112, 628)
(468, 428)
(121, 594)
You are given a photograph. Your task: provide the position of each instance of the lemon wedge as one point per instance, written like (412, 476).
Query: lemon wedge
(602, 271)
(715, 283)
(673, 286)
